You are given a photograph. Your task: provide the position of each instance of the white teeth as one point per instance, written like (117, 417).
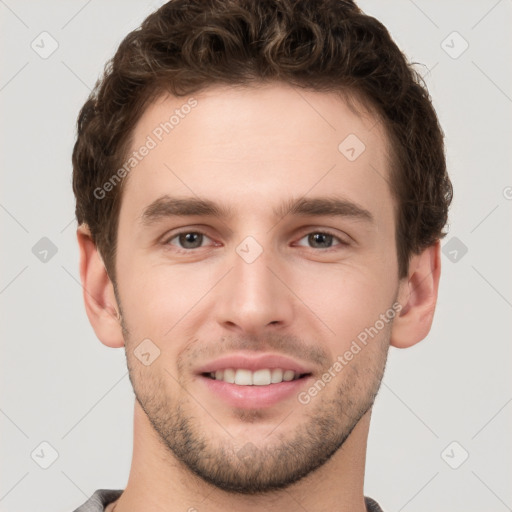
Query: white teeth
(288, 375)
(262, 377)
(243, 377)
(229, 375)
(277, 376)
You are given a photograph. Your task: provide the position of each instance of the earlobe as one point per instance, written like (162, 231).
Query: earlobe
(418, 298)
(98, 292)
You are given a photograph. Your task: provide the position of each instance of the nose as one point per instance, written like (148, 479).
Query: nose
(254, 297)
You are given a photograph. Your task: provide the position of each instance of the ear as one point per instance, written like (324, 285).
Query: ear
(98, 292)
(418, 297)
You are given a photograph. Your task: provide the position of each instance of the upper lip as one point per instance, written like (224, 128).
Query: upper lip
(253, 363)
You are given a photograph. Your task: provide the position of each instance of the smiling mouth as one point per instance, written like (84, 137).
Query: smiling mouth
(262, 377)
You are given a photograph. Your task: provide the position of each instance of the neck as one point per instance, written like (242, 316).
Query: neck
(158, 482)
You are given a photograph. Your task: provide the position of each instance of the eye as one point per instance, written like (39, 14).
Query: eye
(187, 240)
(323, 240)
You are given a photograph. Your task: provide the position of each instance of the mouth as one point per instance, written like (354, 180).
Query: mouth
(247, 382)
(262, 377)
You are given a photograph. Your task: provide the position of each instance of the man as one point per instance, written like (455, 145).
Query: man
(261, 190)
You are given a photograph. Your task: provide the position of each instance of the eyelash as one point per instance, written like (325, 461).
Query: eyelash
(167, 240)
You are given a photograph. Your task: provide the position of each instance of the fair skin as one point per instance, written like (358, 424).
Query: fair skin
(305, 298)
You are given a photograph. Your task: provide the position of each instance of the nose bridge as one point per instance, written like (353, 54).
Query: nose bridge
(252, 296)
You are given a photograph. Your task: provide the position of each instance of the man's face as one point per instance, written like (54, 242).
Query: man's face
(264, 288)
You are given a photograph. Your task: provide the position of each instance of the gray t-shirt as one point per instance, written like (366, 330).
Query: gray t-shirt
(103, 497)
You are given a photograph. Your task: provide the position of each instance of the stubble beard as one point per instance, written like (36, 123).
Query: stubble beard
(286, 456)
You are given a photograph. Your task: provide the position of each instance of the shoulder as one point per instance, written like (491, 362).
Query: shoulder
(372, 505)
(99, 500)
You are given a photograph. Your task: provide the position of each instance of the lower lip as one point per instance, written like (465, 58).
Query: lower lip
(254, 397)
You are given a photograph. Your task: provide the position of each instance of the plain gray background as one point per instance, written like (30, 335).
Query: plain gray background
(61, 386)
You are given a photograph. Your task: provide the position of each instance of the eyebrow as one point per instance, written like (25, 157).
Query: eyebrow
(167, 206)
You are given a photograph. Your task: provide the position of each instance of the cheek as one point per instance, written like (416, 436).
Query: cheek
(346, 301)
(336, 300)
(156, 297)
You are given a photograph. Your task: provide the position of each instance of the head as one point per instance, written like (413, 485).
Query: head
(301, 151)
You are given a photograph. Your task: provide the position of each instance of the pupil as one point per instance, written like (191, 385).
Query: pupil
(322, 238)
(190, 238)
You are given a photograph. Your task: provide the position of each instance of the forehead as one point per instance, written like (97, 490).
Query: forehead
(247, 147)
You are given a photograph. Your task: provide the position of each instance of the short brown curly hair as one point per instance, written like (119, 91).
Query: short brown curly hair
(323, 45)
